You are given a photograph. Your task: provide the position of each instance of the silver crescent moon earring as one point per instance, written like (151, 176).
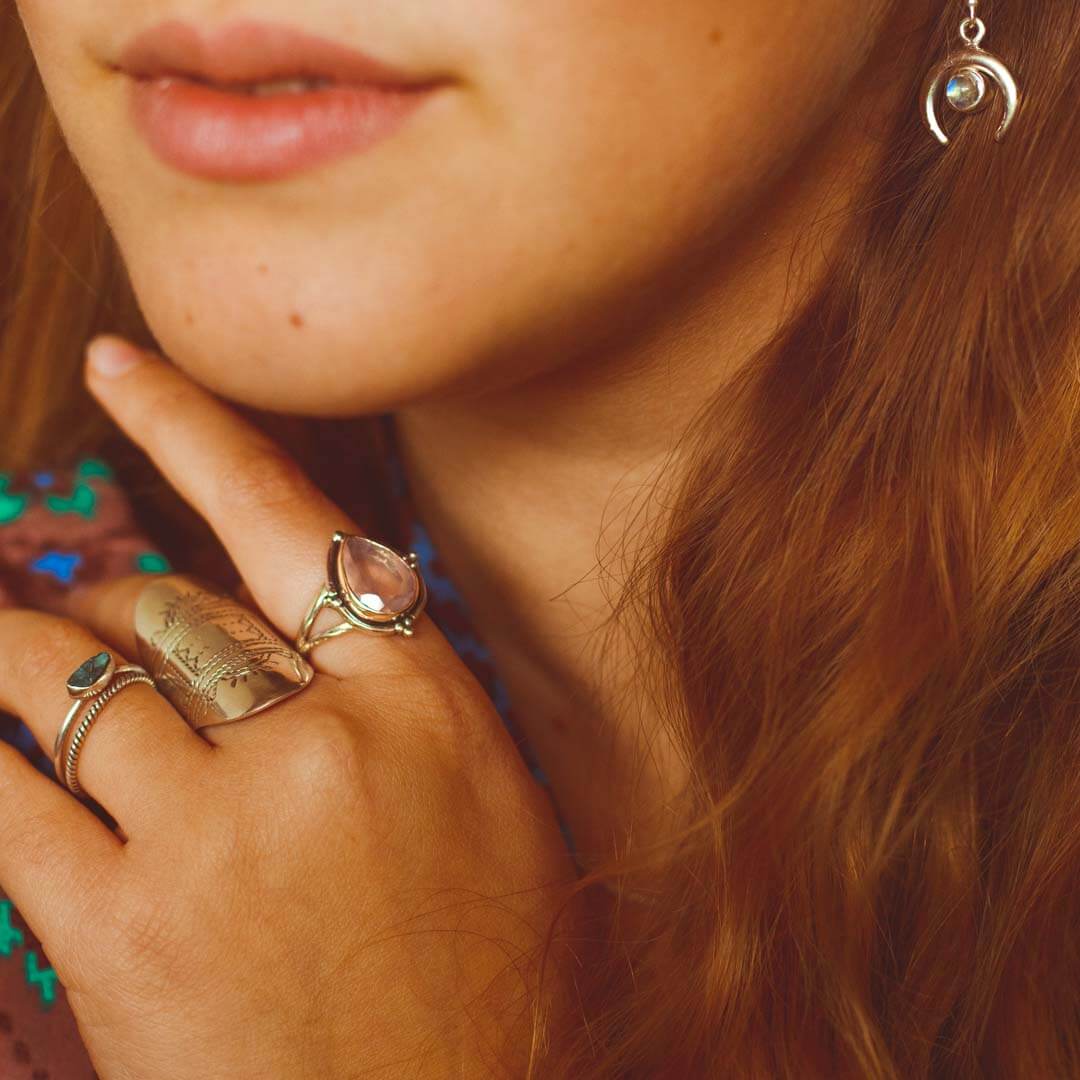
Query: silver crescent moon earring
(965, 76)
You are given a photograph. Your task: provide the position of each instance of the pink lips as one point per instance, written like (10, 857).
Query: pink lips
(191, 99)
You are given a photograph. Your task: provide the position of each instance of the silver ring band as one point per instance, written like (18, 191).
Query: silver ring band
(371, 586)
(66, 751)
(212, 658)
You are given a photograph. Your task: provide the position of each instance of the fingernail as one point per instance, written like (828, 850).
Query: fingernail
(112, 357)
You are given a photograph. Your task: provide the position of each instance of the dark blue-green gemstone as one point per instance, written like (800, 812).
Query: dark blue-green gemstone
(85, 675)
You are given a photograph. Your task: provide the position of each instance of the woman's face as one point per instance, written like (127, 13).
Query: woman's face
(577, 158)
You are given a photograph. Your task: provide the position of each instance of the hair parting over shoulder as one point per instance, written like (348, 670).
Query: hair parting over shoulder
(866, 608)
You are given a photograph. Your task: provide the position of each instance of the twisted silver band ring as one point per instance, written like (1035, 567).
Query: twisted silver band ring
(104, 683)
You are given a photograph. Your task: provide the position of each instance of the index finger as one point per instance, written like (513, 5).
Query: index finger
(273, 521)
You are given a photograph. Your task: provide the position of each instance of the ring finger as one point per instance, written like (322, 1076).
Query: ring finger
(139, 749)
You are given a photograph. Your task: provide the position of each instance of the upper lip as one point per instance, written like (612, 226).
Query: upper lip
(252, 52)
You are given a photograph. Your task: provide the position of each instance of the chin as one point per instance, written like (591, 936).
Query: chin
(331, 371)
(297, 343)
(267, 319)
(303, 374)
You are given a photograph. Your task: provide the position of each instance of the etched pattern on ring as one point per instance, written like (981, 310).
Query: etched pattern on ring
(212, 658)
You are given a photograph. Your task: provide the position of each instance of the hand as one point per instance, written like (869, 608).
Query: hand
(356, 882)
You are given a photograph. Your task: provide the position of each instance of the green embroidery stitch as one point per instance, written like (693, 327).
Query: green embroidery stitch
(93, 467)
(82, 501)
(45, 979)
(150, 562)
(10, 936)
(12, 507)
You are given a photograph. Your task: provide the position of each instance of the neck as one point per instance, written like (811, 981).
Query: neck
(528, 493)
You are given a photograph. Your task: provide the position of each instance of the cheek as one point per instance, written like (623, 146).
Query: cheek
(56, 30)
(686, 106)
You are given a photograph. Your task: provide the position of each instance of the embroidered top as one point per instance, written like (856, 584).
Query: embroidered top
(59, 528)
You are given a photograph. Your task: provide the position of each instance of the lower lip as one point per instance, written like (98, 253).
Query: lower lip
(218, 135)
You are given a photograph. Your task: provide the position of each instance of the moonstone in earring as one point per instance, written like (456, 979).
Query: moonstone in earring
(966, 91)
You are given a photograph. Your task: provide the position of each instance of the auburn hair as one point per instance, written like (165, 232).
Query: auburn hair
(864, 616)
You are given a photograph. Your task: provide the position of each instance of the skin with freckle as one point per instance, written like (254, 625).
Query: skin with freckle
(496, 233)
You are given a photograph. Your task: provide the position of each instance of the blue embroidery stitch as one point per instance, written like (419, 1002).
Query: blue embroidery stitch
(58, 564)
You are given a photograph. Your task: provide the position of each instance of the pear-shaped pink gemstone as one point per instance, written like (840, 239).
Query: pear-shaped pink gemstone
(379, 579)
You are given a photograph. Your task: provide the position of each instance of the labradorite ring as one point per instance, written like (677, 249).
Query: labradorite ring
(93, 684)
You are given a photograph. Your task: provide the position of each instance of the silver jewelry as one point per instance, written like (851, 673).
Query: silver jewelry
(964, 75)
(371, 586)
(96, 681)
(212, 658)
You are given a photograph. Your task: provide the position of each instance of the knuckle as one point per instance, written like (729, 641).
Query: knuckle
(444, 712)
(329, 759)
(166, 409)
(75, 949)
(50, 651)
(260, 479)
(336, 789)
(30, 837)
(448, 716)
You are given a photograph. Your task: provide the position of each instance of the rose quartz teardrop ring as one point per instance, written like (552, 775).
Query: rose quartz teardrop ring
(371, 586)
